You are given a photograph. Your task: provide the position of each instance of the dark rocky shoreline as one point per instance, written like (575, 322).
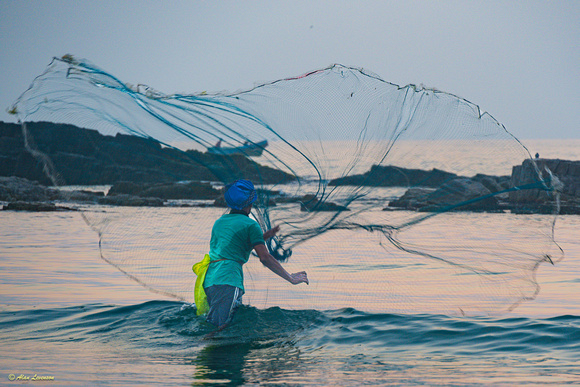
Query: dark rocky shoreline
(143, 173)
(23, 195)
(519, 193)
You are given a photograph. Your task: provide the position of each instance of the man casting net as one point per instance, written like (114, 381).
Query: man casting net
(391, 198)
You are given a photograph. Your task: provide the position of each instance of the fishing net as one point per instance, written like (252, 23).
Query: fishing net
(391, 198)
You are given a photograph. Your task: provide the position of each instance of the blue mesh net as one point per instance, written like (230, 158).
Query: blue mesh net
(385, 178)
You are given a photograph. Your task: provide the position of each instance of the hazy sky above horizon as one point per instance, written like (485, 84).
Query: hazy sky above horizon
(517, 60)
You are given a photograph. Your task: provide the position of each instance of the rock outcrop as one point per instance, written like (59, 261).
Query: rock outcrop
(35, 207)
(311, 203)
(130, 201)
(390, 176)
(85, 157)
(189, 190)
(16, 189)
(461, 194)
(523, 192)
(538, 200)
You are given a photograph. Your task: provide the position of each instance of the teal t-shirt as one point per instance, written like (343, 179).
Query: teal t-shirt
(233, 237)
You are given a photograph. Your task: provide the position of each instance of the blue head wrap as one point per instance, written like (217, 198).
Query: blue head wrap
(240, 194)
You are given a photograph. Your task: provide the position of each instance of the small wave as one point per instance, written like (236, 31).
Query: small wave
(457, 335)
(174, 326)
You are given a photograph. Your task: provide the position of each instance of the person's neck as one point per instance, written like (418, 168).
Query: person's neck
(241, 212)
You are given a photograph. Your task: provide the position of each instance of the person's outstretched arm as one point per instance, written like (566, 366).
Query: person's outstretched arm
(271, 232)
(271, 263)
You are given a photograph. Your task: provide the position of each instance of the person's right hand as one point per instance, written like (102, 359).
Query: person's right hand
(297, 278)
(271, 232)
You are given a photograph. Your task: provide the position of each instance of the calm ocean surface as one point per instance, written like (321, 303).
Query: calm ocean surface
(68, 315)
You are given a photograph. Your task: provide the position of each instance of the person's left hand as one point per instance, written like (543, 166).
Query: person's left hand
(270, 233)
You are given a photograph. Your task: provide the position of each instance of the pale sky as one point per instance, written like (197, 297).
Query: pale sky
(517, 60)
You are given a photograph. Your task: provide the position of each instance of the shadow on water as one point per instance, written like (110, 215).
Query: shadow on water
(258, 344)
(221, 363)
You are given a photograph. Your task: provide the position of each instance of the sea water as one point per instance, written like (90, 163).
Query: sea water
(69, 318)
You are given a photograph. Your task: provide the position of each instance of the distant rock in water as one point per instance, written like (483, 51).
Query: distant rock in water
(311, 203)
(413, 199)
(434, 190)
(493, 193)
(13, 189)
(390, 176)
(19, 190)
(35, 207)
(542, 201)
(458, 194)
(191, 190)
(131, 201)
(86, 157)
(494, 183)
